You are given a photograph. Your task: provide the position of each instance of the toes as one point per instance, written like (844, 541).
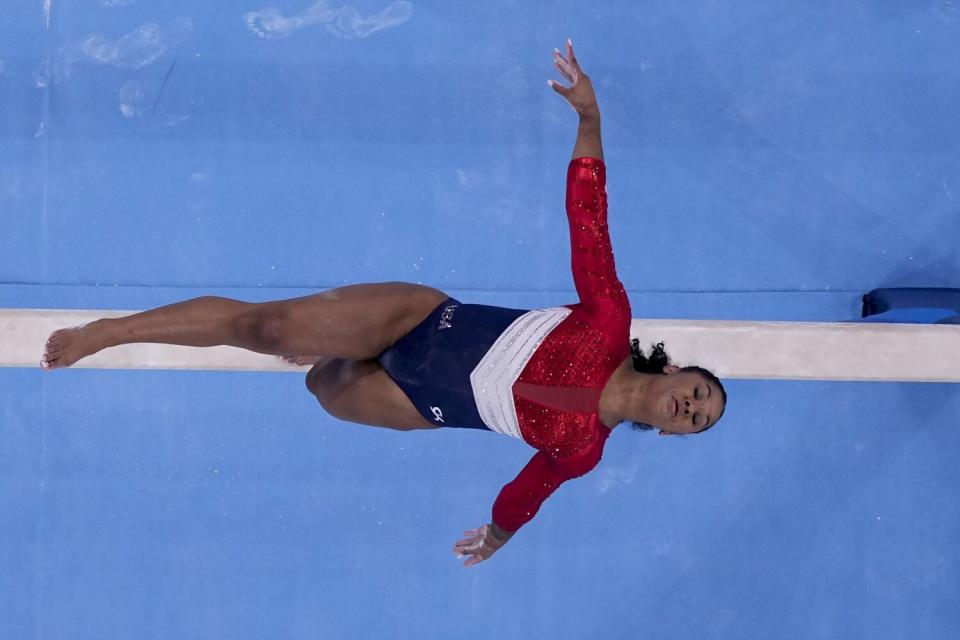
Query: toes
(54, 342)
(53, 350)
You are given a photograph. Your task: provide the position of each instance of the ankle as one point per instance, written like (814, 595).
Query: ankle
(103, 333)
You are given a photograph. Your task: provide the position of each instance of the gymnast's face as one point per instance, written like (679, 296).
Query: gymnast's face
(682, 402)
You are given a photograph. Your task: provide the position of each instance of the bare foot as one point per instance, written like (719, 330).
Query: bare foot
(300, 361)
(66, 346)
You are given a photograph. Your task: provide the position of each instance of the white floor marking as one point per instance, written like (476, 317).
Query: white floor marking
(345, 22)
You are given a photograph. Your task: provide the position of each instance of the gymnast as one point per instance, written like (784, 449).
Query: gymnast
(407, 356)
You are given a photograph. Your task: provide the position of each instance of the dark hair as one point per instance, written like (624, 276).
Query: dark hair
(655, 362)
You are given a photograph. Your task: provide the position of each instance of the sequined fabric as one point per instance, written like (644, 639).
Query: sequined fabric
(558, 392)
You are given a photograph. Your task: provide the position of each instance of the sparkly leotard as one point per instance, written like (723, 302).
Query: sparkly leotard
(536, 375)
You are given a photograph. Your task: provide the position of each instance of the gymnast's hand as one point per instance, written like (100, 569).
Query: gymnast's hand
(480, 545)
(580, 95)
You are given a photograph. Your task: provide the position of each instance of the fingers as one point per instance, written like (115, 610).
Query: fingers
(559, 88)
(472, 555)
(563, 66)
(474, 542)
(568, 67)
(470, 544)
(570, 56)
(571, 59)
(474, 547)
(474, 560)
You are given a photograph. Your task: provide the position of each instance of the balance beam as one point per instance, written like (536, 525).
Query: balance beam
(731, 349)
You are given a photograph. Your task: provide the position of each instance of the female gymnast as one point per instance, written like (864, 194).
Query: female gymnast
(407, 356)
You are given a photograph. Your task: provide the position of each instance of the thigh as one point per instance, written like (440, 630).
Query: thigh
(356, 322)
(361, 391)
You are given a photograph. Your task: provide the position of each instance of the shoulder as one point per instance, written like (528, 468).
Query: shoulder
(609, 314)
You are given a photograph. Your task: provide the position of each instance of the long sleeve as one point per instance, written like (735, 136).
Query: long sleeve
(594, 272)
(520, 499)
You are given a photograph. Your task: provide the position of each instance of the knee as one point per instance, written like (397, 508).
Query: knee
(327, 400)
(312, 379)
(261, 327)
(321, 381)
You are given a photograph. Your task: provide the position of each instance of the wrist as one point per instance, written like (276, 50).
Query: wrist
(589, 113)
(499, 534)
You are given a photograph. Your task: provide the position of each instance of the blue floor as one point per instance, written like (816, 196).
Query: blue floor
(766, 161)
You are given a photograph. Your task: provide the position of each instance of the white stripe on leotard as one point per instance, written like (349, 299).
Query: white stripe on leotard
(493, 377)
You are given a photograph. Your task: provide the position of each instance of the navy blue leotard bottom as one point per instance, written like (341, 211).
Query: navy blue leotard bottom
(432, 363)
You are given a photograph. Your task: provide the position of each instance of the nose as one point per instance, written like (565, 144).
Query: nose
(691, 404)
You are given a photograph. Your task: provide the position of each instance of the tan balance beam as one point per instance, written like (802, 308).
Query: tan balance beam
(732, 349)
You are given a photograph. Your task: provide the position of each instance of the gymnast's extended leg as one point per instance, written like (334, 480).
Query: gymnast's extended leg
(356, 322)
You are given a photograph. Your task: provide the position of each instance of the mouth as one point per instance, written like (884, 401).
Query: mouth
(676, 406)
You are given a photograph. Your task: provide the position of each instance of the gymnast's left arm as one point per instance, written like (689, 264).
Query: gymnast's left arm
(594, 271)
(518, 502)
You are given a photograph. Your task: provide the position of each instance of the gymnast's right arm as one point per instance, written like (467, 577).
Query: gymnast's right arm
(581, 97)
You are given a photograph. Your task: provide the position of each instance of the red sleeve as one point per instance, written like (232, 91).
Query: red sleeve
(594, 273)
(520, 500)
